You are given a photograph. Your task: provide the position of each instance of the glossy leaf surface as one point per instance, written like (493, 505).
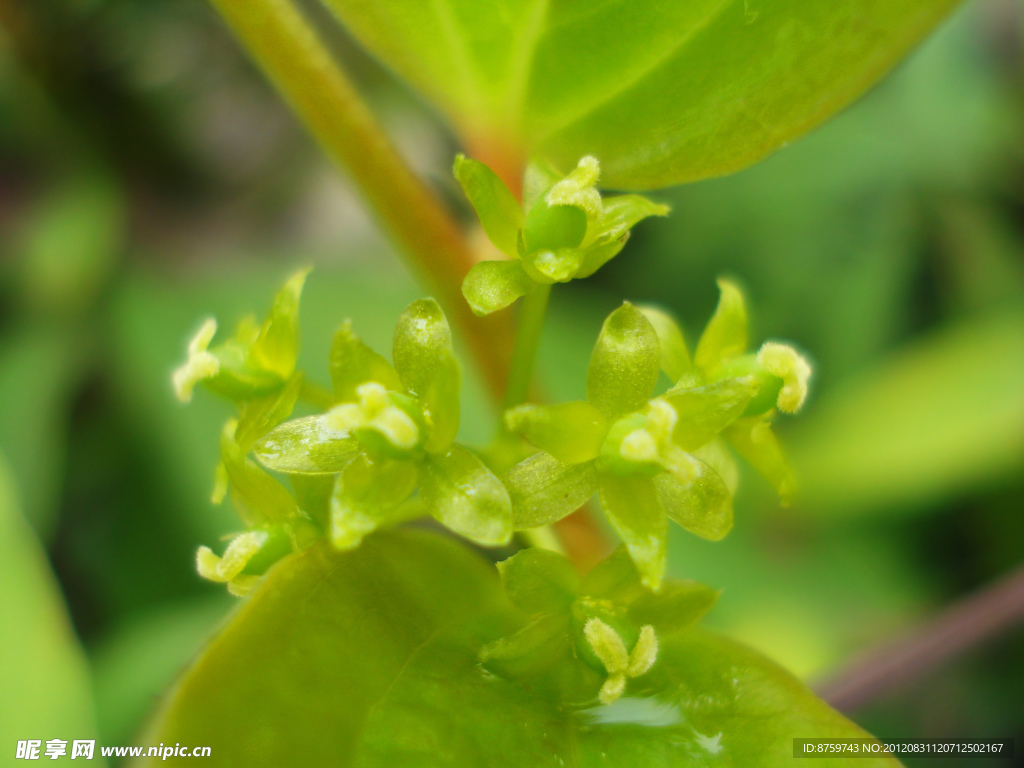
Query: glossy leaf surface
(543, 489)
(660, 92)
(369, 658)
(43, 671)
(464, 495)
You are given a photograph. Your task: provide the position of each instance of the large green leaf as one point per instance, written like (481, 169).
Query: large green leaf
(369, 658)
(944, 416)
(660, 92)
(44, 681)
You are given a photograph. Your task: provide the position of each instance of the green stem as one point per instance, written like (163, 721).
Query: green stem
(524, 354)
(293, 57)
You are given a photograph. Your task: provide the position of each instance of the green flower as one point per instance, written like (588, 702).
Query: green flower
(783, 376)
(391, 433)
(257, 361)
(652, 459)
(564, 230)
(256, 369)
(607, 622)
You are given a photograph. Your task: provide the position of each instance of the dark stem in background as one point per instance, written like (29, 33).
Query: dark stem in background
(961, 627)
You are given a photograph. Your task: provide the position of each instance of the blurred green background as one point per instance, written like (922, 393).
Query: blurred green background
(150, 178)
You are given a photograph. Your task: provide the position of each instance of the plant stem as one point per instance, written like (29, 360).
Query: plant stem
(293, 57)
(961, 627)
(531, 322)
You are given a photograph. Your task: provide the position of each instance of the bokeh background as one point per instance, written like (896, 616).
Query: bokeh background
(150, 178)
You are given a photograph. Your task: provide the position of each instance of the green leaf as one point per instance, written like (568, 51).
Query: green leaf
(675, 357)
(634, 510)
(571, 432)
(702, 503)
(428, 369)
(625, 363)
(307, 445)
(941, 416)
(703, 412)
(543, 489)
(39, 369)
(382, 670)
(493, 285)
(538, 580)
(353, 363)
(464, 495)
(367, 493)
(499, 212)
(661, 93)
(44, 671)
(725, 335)
(73, 238)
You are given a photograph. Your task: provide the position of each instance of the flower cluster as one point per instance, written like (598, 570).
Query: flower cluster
(383, 447)
(383, 451)
(564, 229)
(651, 459)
